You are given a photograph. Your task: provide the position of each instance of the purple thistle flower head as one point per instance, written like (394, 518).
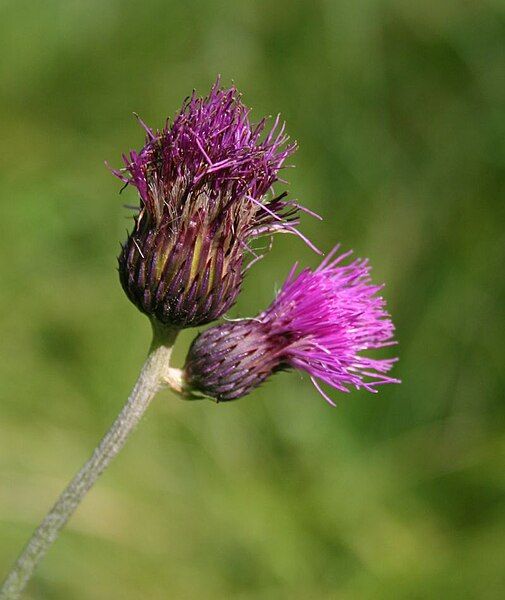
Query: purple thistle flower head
(320, 322)
(203, 182)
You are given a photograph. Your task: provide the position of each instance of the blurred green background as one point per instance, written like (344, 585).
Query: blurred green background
(398, 108)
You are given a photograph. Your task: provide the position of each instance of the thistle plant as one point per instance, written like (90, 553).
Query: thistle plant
(203, 183)
(205, 189)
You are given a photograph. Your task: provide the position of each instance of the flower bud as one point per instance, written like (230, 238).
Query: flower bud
(203, 183)
(319, 323)
(228, 361)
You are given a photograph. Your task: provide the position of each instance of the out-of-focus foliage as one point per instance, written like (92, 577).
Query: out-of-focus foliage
(398, 109)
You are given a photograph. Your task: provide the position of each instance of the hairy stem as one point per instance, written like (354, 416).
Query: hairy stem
(152, 376)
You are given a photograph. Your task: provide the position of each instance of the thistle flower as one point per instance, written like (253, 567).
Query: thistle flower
(320, 322)
(202, 182)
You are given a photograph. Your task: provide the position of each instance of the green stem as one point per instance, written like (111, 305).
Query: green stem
(154, 374)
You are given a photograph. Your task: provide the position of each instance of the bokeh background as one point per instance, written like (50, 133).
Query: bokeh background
(398, 108)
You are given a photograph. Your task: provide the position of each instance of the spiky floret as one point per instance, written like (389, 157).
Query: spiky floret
(202, 182)
(320, 322)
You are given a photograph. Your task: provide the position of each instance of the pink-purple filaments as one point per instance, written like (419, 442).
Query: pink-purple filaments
(213, 148)
(331, 316)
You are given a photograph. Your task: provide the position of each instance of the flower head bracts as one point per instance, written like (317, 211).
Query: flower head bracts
(202, 183)
(320, 322)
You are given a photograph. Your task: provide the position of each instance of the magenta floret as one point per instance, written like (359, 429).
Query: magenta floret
(332, 315)
(321, 322)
